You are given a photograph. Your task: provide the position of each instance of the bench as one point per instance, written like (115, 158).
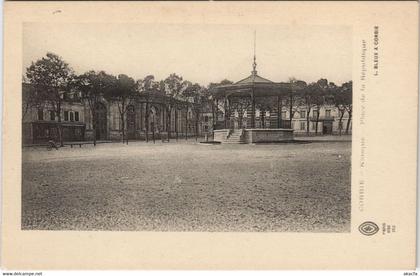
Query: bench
(71, 144)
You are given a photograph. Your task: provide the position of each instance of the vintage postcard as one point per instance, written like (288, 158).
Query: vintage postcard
(232, 135)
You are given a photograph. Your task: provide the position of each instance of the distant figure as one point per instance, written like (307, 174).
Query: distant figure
(52, 144)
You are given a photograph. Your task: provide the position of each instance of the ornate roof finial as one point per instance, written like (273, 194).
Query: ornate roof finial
(254, 65)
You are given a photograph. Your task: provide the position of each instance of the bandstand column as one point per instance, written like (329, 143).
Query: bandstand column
(176, 121)
(253, 110)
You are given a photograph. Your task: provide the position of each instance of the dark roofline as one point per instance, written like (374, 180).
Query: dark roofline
(252, 76)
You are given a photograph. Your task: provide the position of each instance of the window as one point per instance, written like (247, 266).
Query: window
(283, 114)
(40, 114)
(313, 125)
(52, 115)
(76, 116)
(303, 114)
(66, 115)
(315, 113)
(327, 113)
(206, 118)
(76, 96)
(71, 116)
(206, 128)
(340, 125)
(302, 125)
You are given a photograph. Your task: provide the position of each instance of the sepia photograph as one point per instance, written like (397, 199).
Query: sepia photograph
(186, 127)
(209, 135)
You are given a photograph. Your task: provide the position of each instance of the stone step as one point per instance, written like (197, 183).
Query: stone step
(234, 139)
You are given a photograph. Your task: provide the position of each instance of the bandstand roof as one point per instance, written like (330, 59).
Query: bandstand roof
(254, 78)
(253, 85)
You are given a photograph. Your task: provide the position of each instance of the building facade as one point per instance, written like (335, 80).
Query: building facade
(145, 117)
(160, 117)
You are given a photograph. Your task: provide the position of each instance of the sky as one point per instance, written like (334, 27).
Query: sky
(199, 53)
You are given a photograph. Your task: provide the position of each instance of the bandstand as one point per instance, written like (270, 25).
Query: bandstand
(250, 110)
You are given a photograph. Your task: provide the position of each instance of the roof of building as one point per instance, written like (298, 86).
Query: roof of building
(253, 78)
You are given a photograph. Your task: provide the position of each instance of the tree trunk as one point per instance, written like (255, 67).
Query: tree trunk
(153, 131)
(147, 121)
(122, 127)
(94, 126)
(291, 109)
(197, 116)
(168, 122)
(317, 121)
(214, 116)
(279, 109)
(307, 121)
(176, 122)
(340, 123)
(213, 113)
(60, 128)
(25, 110)
(348, 122)
(186, 124)
(121, 111)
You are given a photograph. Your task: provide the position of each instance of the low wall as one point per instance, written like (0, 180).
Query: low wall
(268, 135)
(220, 135)
(116, 135)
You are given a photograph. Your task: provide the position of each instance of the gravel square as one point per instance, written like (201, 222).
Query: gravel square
(188, 186)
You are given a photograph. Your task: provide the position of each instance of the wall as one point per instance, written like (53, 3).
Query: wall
(268, 135)
(220, 135)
